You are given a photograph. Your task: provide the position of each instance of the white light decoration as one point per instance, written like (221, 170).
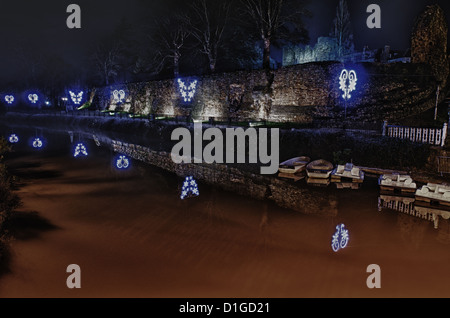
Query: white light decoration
(37, 143)
(187, 91)
(119, 96)
(347, 82)
(13, 139)
(33, 98)
(80, 149)
(76, 98)
(9, 99)
(190, 188)
(340, 238)
(122, 162)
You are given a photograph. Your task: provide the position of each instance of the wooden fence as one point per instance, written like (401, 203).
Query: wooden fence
(432, 136)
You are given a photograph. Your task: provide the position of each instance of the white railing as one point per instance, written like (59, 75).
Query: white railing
(432, 136)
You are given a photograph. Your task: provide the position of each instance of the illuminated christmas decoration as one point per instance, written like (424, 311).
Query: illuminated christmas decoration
(33, 98)
(340, 238)
(187, 92)
(13, 139)
(76, 98)
(80, 149)
(347, 82)
(9, 99)
(37, 143)
(122, 162)
(190, 188)
(119, 96)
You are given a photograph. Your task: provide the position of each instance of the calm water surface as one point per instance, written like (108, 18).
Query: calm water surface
(133, 236)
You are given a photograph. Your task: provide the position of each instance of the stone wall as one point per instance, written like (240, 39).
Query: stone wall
(300, 93)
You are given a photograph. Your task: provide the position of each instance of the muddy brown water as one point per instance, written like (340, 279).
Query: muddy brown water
(133, 236)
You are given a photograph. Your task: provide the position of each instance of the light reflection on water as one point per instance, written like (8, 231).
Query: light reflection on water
(243, 247)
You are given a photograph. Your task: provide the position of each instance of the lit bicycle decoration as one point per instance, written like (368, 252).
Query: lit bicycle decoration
(187, 91)
(37, 143)
(76, 97)
(9, 99)
(347, 82)
(123, 162)
(119, 96)
(190, 188)
(33, 98)
(340, 238)
(13, 139)
(80, 150)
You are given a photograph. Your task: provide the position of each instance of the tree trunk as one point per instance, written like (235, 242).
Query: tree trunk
(176, 65)
(266, 54)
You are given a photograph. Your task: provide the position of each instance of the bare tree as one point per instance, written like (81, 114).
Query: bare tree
(207, 23)
(107, 61)
(168, 40)
(277, 19)
(342, 29)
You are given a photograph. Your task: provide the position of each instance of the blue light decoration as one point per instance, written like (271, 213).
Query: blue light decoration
(187, 91)
(33, 98)
(9, 99)
(76, 97)
(37, 143)
(123, 162)
(190, 188)
(340, 238)
(80, 149)
(119, 96)
(13, 139)
(347, 81)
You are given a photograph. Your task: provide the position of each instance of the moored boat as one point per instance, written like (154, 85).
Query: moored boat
(319, 169)
(397, 182)
(294, 165)
(434, 193)
(348, 172)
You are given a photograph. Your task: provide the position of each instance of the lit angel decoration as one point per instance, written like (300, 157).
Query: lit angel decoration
(347, 82)
(37, 143)
(80, 149)
(33, 98)
(9, 99)
(187, 92)
(190, 188)
(340, 238)
(119, 96)
(122, 162)
(13, 139)
(76, 98)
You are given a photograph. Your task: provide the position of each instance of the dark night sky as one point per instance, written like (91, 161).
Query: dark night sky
(41, 25)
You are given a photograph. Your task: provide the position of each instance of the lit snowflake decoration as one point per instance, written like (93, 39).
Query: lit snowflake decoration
(190, 188)
(80, 149)
(187, 92)
(340, 238)
(33, 98)
(13, 139)
(37, 143)
(9, 99)
(76, 98)
(122, 162)
(347, 82)
(119, 96)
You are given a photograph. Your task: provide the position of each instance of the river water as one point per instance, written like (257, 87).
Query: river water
(133, 236)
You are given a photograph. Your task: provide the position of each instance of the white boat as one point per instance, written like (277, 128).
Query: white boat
(318, 182)
(391, 182)
(347, 172)
(433, 192)
(294, 165)
(319, 169)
